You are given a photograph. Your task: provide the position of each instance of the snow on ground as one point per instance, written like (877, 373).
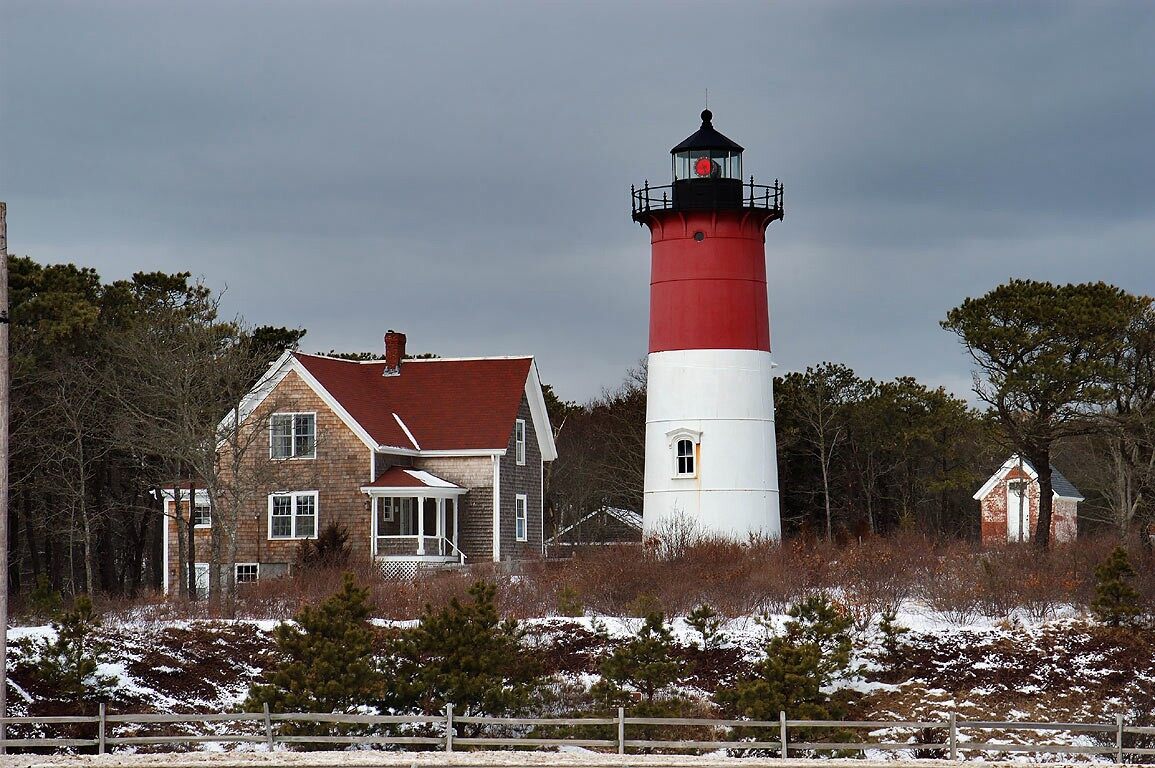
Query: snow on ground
(365, 759)
(1020, 668)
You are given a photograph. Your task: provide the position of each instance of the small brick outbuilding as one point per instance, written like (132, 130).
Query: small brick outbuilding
(1009, 504)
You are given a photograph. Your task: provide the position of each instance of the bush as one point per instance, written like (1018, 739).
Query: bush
(639, 674)
(463, 654)
(44, 602)
(644, 666)
(69, 663)
(329, 550)
(327, 662)
(569, 602)
(892, 633)
(708, 624)
(1116, 601)
(798, 665)
(878, 574)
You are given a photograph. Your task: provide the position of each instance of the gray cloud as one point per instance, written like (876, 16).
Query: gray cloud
(461, 170)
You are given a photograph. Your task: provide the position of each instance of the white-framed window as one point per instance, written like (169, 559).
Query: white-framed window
(247, 573)
(202, 580)
(521, 517)
(293, 436)
(202, 514)
(685, 458)
(519, 440)
(393, 508)
(685, 453)
(293, 515)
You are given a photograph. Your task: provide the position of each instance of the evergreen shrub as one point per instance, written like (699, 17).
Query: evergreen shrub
(327, 662)
(1116, 600)
(463, 654)
(795, 671)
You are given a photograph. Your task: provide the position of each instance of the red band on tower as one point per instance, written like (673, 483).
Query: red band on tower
(708, 281)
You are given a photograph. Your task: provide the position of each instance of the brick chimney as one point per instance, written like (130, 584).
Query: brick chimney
(394, 352)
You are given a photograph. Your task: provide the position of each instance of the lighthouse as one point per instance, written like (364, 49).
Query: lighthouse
(711, 456)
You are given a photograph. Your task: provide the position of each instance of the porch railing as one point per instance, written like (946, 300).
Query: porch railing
(417, 547)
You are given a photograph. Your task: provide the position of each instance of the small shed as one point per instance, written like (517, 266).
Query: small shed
(606, 525)
(1009, 504)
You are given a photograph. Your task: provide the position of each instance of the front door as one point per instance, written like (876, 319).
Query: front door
(1018, 511)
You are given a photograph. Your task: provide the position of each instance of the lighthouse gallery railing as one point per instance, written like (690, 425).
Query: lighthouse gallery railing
(767, 197)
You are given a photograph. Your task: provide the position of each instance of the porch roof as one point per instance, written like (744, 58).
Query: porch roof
(399, 481)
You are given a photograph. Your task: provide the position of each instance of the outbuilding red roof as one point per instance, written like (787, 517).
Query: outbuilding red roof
(445, 404)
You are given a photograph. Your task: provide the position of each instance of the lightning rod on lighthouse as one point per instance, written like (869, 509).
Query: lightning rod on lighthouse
(711, 455)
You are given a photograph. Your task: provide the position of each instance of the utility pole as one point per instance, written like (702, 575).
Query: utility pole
(3, 474)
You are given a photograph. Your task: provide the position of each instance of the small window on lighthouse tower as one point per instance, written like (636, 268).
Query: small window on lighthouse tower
(684, 444)
(685, 458)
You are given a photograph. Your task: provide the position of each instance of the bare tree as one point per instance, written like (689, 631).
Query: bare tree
(1130, 418)
(184, 377)
(820, 397)
(72, 391)
(601, 453)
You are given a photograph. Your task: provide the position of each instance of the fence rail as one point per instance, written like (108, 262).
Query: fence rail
(947, 738)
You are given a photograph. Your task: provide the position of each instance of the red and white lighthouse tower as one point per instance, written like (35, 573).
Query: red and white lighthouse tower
(711, 456)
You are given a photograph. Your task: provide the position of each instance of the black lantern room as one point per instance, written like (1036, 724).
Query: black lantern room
(707, 170)
(707, 175)
(707, 154)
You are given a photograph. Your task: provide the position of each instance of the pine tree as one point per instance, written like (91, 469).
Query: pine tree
(812, 653)
(1116, 601)
(645, 666)
(70, 662)
(892, 633)
(463, 654)
(708, 623)
(327, 660)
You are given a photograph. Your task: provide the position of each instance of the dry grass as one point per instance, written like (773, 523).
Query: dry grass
(957, 579)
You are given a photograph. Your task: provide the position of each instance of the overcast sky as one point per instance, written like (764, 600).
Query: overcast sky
(461, 171)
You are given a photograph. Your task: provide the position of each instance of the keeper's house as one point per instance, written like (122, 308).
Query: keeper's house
(421, 461)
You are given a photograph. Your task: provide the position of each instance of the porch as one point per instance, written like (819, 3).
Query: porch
(414, 518)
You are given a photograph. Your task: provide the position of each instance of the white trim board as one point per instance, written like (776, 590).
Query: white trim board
(1005, 469)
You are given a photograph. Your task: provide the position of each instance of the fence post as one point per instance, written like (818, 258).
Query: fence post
(268, 727)
(100, 731)
(449, 727)
(1118, 738)
(621, 730)
(953, 736)
(782, 730)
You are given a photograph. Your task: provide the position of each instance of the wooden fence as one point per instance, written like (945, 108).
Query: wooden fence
(949, 738)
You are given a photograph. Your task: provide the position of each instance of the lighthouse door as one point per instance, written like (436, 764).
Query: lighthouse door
(1018, 511)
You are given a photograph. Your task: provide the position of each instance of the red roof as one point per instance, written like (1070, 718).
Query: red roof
(399, 477)
(445, 404)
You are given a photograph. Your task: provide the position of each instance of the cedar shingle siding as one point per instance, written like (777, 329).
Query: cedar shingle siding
(337, 474)
(344, 463)
(521, 479)
(476, 514)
